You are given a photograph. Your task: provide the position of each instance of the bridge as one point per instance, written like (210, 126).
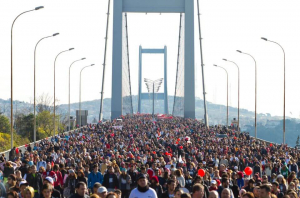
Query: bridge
(184, 96)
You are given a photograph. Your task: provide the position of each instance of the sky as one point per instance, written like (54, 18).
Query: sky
(226, 25)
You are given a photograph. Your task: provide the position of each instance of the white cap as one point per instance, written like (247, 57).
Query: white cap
(50, 180)
(213, 182)
(102, 189)
(236, 168)
(22, 183)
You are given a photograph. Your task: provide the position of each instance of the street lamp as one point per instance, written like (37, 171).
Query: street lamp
(11, 73)
(283, 84)
(227, 91)
(34, 85)
(70, 88)
(80, 92)
(54, 85)
(238, 125)
(153, 86)
(255, 90)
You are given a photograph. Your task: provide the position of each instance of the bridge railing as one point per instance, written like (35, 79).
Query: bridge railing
(23, 148)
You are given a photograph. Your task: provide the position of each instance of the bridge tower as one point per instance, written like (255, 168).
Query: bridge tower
(154, 6)
(158, 96)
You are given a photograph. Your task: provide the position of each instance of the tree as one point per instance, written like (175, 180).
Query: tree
(4, 124)
(25, 126)
(44, 103)
(44, 121)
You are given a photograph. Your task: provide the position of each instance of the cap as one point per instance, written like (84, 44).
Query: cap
(23, 183)
(236, 168)
(102, 189)
(213, 182)
(280, 176)
(141, 176)
(50, 180)
(71, 171)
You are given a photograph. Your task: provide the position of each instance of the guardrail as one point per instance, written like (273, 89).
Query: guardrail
(23, 148)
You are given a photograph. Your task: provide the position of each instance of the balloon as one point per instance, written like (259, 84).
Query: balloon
(112, 135)
(181, 147)
(271, 145)
(234, 138)
(177, 142)
(201, 172)
(178, 139)
(154, 152)
(17, 150)
(248, 170)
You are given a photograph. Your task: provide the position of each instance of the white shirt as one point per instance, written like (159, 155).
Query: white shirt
(148, 194)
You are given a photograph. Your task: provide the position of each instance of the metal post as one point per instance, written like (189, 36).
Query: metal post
(70, 91)
(34, 87)
(54, 90)
(140, 81)
(80, 93)
(238, 92)
(283, 85)
(202, 67)
(255, 91)
(227, 93)
(153, 102)
(104, 62)
(11, 76)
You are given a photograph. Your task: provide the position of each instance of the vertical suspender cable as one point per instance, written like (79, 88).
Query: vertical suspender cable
(128, 63)
(104, 62)
(177, 63)
(202, 66)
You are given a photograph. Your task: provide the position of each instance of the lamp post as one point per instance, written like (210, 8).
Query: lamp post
(70, 89)
(227, 92)
(153, 86)
(11, 74)
(238, 125)
(80, 92)
(34, 86)
(255, 90)
(283, 84)
(54, 86)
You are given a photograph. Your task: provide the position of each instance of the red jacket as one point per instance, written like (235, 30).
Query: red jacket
(50, 174)
(59, 180)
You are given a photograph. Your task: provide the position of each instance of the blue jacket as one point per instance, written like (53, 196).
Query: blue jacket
(93, 178)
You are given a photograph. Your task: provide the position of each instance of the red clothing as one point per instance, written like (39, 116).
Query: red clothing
(150, 173)
(60, 180)
(213, 188)
(50, 174)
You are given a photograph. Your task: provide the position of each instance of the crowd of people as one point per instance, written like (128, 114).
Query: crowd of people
(141, 157)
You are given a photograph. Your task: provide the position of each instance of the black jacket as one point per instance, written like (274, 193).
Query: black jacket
(78, 196)
(8, 171)
(106, 180)
(158, 189)
(24, 170)
(165, 195)
(35, 181)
